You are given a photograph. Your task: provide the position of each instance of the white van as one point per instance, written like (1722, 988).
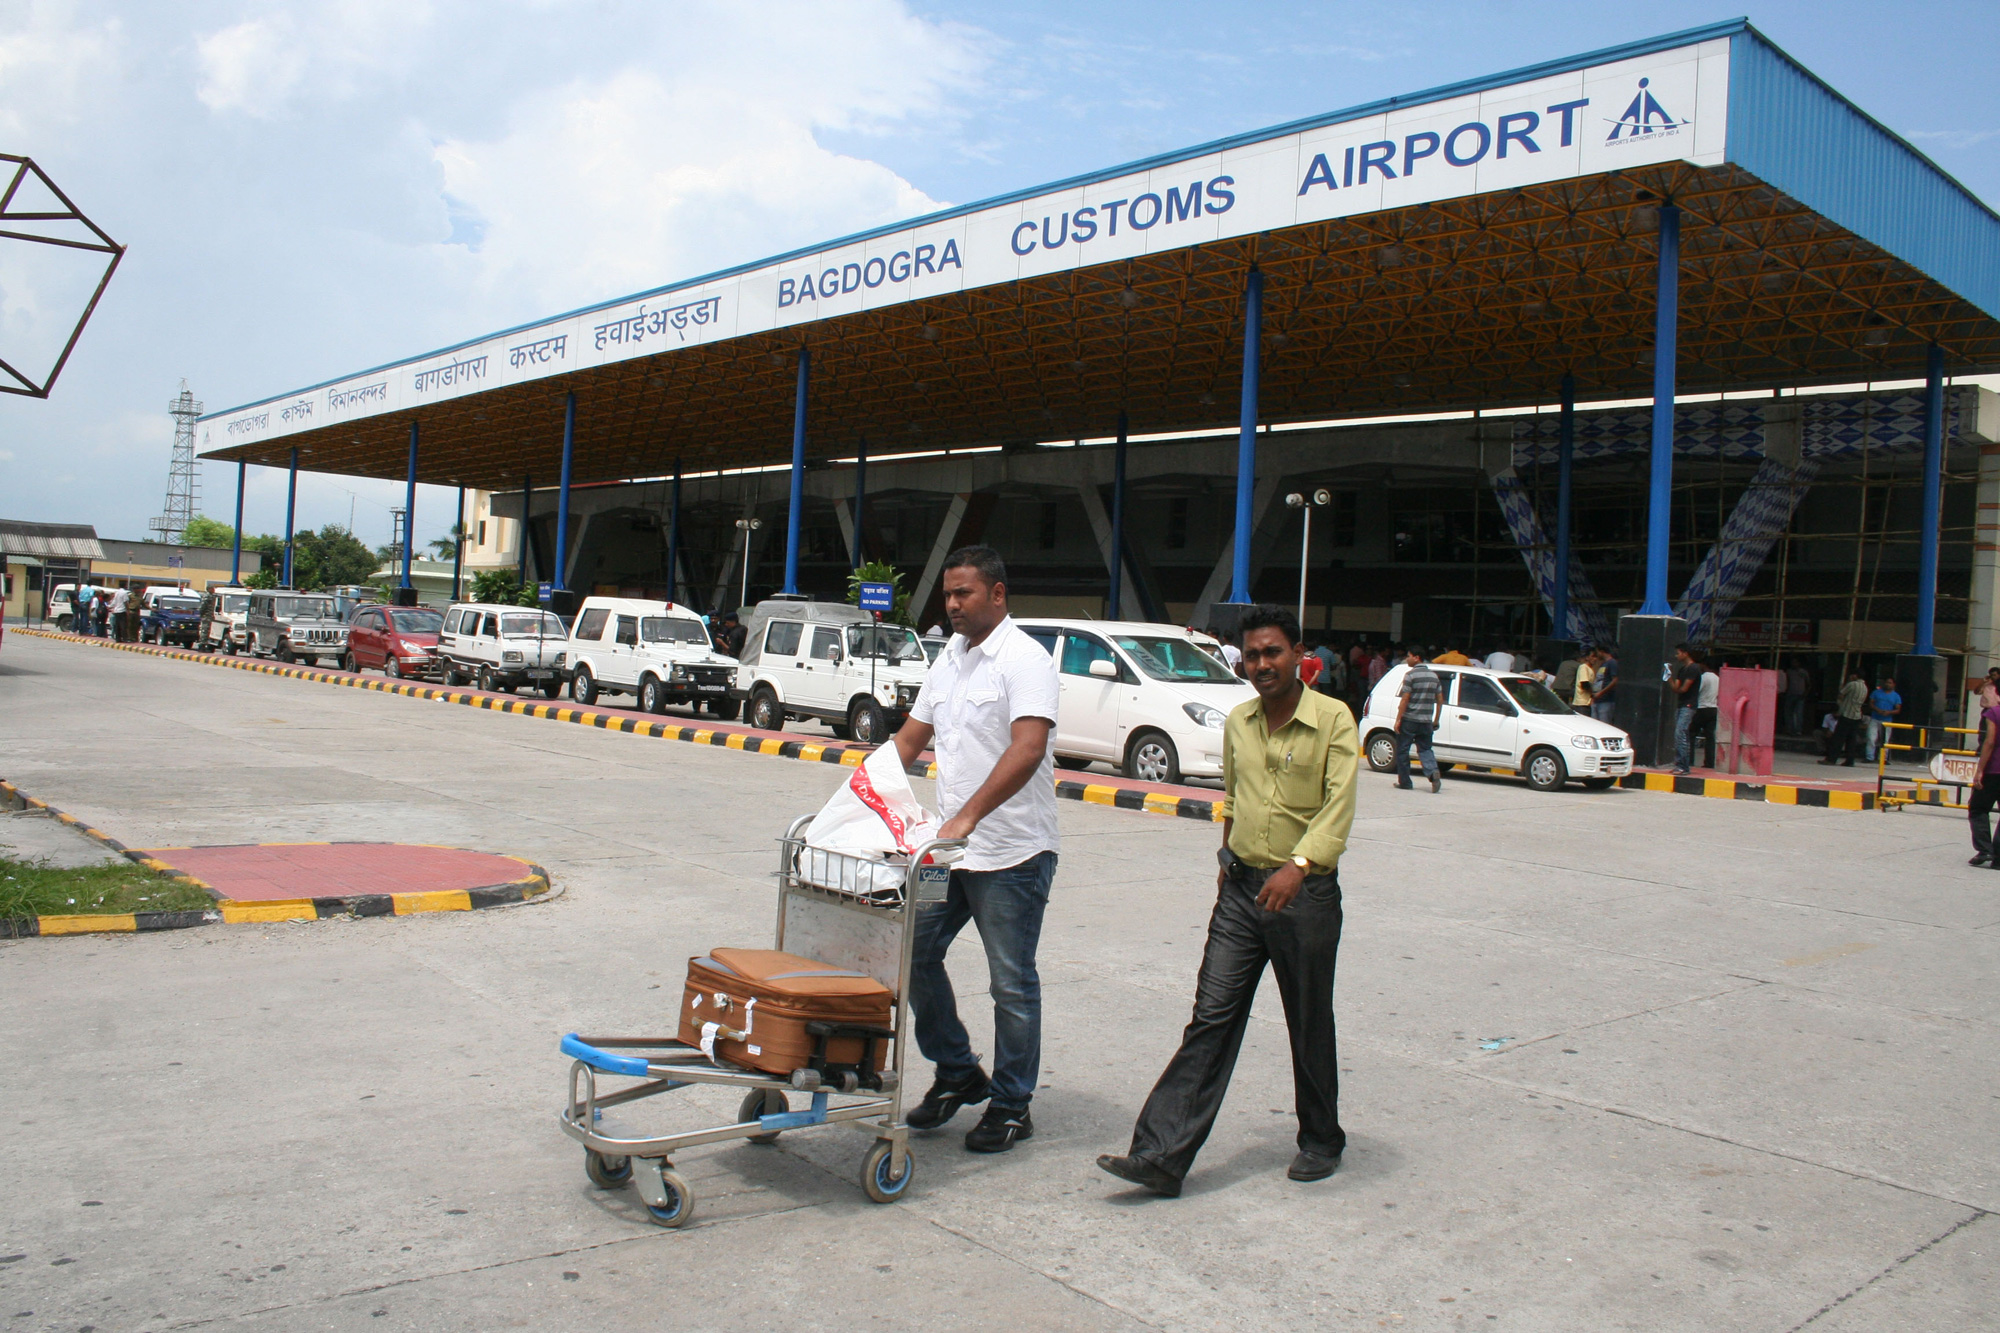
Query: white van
(225, 610)
(1499, 719)
(658, 651)
(502, 647)
(830, 661)
(1147, 699)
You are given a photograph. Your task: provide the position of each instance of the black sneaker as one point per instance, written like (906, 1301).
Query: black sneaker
(999, 1129)
(941, 1103)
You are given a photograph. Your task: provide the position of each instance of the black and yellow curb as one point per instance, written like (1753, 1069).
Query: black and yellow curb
(1091, 793)
(850, 756)
(1727, 789)
(535, 884)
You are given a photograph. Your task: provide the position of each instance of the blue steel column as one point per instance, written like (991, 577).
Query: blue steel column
(1659, 505)
(562, 493)
(860, 501)
(410, 508)
(1114, 604)
(527, 499)
(291, 506)
(236, 555)
(1246, 438)
(798, 474)
(1927, 554)
(458, 550)
(1565, 457)
(674, 534)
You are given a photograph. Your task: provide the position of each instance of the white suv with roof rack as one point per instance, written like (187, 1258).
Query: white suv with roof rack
(1501, 719)
(656, 651)
(830, 661)
(502, 647)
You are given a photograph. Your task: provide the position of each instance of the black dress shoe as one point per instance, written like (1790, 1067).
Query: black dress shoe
(1311, 1166)
(1980, 859)
(999, 1129)
(941, 1103)
(1142, 1173)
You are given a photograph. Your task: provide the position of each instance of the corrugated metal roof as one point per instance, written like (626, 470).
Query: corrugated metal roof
(59, 541)
(1791, 130)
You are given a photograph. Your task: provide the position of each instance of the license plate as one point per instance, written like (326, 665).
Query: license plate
(538, 674)
(712, 689)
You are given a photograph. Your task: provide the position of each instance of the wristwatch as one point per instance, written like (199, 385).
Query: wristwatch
(1303, 864)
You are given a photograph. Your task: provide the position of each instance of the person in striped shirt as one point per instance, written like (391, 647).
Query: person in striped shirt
(1416, 720)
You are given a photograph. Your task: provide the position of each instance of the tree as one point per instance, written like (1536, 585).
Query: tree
(881, 571)
(205, 531)
(446, 547)
(330, 557)
(499, 587)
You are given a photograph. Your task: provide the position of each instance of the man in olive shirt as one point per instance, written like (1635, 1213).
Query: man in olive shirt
(1288, 766)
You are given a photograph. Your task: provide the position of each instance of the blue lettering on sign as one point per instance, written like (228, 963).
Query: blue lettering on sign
(925, 261)
(872, 272)
(1111, 211)
(1178, 209)
(899, 267)
(1086, 225)
(1132, 215)
(1470, 143)
(1216, 193)
(1028, 227)
(1055, 230)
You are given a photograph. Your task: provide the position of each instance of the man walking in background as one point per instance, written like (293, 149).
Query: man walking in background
(1847, 724)
(1685, 682)
(1416, 721)
(1288, 765)
(1883, 706)
(1707, 698)
(989, 704)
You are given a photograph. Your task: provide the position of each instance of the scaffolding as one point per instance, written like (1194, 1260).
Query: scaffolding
(181, 480)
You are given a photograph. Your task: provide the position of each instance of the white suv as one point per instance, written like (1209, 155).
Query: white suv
(1147, 699)
(224, 612)
(1498, 719)
(830, 661)
(657, 651)
(502, 647)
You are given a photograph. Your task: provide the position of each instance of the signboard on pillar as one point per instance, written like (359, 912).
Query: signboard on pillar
(878, 597)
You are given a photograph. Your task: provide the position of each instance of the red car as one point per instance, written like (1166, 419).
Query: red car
(401, 640)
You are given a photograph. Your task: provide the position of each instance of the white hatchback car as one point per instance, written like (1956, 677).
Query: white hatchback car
(1497, 719)
(1147, 699)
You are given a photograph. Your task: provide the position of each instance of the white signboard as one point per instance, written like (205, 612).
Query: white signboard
(1668, 106)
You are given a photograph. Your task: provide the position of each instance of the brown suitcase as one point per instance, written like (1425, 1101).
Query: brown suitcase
(776, 1012)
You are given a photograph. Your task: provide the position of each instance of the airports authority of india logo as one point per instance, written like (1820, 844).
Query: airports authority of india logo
(1645, 119)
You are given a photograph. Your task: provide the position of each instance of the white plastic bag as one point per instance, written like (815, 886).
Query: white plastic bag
(873, 822)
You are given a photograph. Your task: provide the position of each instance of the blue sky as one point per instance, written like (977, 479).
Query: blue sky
(308, 189)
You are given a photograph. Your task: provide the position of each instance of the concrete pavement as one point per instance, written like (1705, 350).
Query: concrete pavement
(1608, 1061)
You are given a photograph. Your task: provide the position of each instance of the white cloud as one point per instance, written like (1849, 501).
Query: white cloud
(48, 64)
(264, 66)
(664, 169)
(251, 67)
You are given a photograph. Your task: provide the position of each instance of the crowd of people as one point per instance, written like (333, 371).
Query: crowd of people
(106, 613)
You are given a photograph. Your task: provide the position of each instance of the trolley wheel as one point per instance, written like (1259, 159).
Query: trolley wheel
(875, 1177)
(679, 1208)
(756, 1102)
(607, 1173)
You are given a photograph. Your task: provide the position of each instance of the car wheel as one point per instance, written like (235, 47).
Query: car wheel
(1598, 784)
(486, 679)
(1382, 751)
(1545, 770)
(391, 667)
(866, 723)
(347, 663)
(765, 714)
(726, 709)
(1071, 761)
(652, 697)
(449, 678)
(551, 689)
(1152, 758)
(582, 687)
(285, 654)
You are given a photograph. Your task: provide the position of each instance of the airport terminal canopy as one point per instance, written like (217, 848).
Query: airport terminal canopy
(1457, 248)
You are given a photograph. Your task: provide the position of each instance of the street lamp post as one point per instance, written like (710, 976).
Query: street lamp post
(746, 526)
(1306, 505)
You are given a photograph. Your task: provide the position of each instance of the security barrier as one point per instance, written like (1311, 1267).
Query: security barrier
(1952, 770)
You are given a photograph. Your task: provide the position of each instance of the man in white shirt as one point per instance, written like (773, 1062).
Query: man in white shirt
(121, 602)
(1500, 660)
(987, 708)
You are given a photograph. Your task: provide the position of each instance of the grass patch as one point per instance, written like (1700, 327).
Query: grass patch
(36, 888)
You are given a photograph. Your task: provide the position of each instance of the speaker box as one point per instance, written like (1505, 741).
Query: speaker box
(1643, 706)
(1225, 619)
(402, 596)
(1921, 681)
(564, 602)
(1550, 654)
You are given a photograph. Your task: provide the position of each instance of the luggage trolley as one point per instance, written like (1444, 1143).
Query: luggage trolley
(849, 911)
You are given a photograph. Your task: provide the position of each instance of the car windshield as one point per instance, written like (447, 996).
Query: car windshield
(178, 603)
(235, 603)
(301, 607)
(532, 625)
(932, 647)
(891, 643)
(1534, 696)
(1174, 659)
(673, 629)
(424, 621)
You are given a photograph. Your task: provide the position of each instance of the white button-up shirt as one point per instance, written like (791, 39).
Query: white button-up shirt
(971, 698)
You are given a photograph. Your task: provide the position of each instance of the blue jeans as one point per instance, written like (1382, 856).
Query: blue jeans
(1417, 734)
(1007, 906)
(1684, 738)
(1604, 710)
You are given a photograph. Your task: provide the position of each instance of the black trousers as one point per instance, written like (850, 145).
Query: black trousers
(1704, 734)
(1979, 810)
(1300, 943)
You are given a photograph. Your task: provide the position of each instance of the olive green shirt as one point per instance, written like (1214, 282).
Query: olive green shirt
(1290, 792)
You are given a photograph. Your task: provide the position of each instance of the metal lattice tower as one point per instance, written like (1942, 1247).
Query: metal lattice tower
(180, 472)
